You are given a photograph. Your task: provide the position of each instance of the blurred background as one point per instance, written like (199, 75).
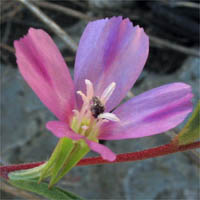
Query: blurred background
(173, 27)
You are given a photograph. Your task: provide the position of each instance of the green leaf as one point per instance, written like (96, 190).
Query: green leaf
(191, 132)
(42, 189)
(64, 157)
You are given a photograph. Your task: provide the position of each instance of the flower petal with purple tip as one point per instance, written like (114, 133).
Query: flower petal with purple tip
(111, 50)
(44, 69)
(150, 113)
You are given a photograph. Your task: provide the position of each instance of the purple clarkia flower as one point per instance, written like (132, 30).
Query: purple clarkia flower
(110, 57)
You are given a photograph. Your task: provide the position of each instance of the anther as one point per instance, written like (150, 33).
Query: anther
(109, 116)
(108, 92)
(96, 107)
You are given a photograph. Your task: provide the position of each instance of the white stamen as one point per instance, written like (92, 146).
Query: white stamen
(84, 98)
(100, 122)
(89, 89)
(83, 121)
(83, 109)
(109, 116)
(108, 92)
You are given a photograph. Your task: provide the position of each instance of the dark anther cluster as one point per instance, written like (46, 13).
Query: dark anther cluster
(96, 107)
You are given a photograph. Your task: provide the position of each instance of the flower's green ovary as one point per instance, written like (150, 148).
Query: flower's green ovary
(50, 162)
(91, 133)
(62, 157)
(80, 150)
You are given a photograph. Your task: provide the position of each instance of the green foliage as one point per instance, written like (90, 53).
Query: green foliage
(57, 160)
(191, 132)
(54, 157)
(65, 156)
(42, 189)
(79, 151)
(27, 174)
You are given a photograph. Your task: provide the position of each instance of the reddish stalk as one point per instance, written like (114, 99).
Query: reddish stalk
(141, 155)
(126, 157)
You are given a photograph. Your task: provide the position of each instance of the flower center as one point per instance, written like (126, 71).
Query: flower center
(96, 107)
(88, 120)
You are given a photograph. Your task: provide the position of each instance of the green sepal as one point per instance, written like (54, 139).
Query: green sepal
(66, 147)
(42, 189)
(191, 132)
(27, 174)
(79, 151)
(62, 150)
(64, 157)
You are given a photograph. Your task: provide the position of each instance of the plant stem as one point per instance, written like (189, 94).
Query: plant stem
(126, 157)
(141, 155)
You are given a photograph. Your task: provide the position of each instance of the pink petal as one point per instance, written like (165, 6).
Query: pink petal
(111, 50)
(44, 69)
(150, 113)
(104, 151)
(61, 129)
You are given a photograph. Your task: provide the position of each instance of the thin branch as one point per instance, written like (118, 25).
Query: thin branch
(10, 14)
(7, 32)
(64, 10)
(12, 50)
(164, 43)
(51, 24)
(28, 23)
(8, 48)
(126, 157)
(187, 4)
(6, 5)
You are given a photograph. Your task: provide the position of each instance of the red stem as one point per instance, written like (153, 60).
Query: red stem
(126, 157)
(141, 155)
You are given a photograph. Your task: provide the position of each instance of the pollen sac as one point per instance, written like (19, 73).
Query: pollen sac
(96, 107)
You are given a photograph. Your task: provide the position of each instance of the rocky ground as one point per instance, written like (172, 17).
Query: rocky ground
(24, 137)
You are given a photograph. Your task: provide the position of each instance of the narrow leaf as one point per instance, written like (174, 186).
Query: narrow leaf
(191, 132)
(42, 189)
(26, 174)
